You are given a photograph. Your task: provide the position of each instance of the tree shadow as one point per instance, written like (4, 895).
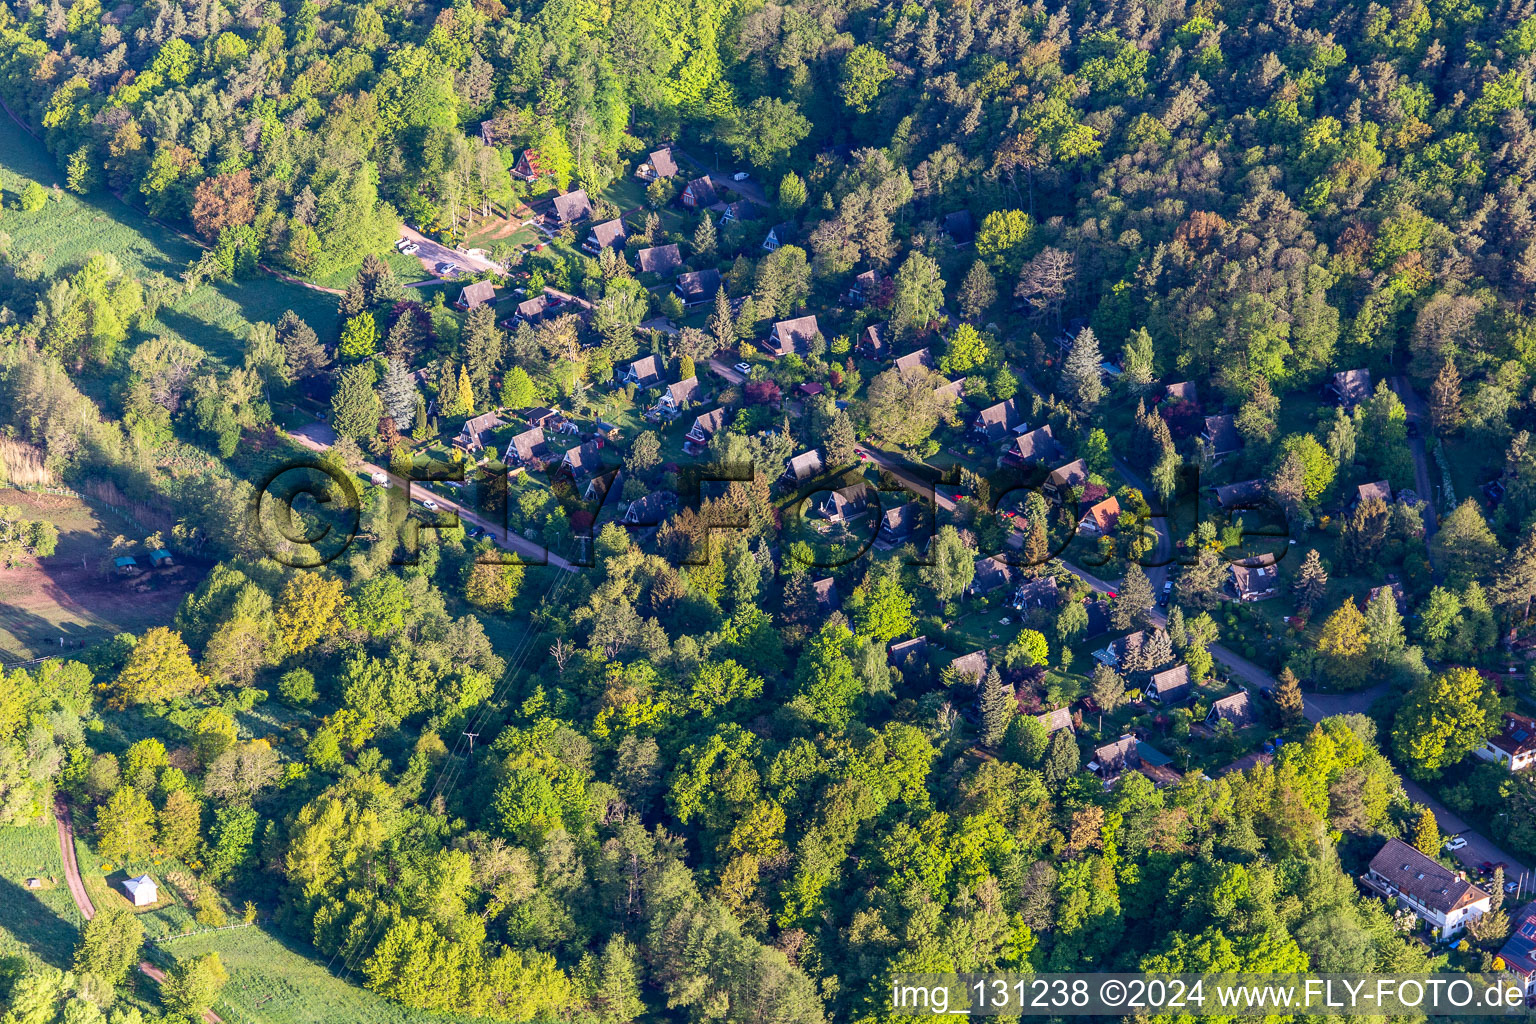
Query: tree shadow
(37, 926)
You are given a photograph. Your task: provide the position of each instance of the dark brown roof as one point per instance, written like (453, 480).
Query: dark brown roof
(1425, 880)
(685, 391)
(1171, 684)
(912, 360)
(1073, 474)
(804, 466)
(789, 336)
(1221, 431)
(1039, 445)
(584, 460)
(996, 420)
(900, 651)
(991, 572)
(1254, 579)
(1376, 489)
(1061, 718)
(474, 431)
(1114, 758)
(1184, 391)
(645, 370)
(874, 341)
(698, 285)
(477, 294)
(663, 163)
(608, 233)
(573, 206)
(1237, 709)
(826, 593)
(708, 423)
(660, 259)
(1238, 493)
(527, 445)
(702, 191)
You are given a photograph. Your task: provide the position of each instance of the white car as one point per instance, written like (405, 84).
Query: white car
(429, 504)
(1455, 843)
(380, 479)
(410, 248)
(742, 367)
(740, 176)
(447, 269)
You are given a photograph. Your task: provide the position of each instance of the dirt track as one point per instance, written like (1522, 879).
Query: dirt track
(66, 824)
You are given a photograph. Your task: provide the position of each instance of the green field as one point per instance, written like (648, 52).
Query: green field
(71, 227)
(41, 925)
(271, 982)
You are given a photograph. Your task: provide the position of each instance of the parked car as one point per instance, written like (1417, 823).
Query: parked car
(447, 269)
(1455, 843)
(429, 504)
(740, 176)
(742, 367)
(380, 479)
(410, 248)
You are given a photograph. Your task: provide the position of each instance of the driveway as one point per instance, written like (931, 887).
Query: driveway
(725, 371)
(66, 826)
(319, 437)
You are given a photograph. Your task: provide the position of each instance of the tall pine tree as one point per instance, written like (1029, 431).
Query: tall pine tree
(1081, 378)
(996, 705)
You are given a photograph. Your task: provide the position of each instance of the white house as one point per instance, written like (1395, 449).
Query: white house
(1437, 895)
(1515, 746)
(142, 891)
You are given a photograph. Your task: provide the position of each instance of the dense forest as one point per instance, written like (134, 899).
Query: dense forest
(696, 792)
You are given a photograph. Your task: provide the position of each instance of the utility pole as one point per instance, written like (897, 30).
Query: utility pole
(471, 736)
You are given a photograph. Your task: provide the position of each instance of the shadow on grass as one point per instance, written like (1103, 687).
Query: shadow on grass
(36, 926)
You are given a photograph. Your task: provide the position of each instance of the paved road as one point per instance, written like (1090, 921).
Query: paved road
(66, 826)
(319, 437)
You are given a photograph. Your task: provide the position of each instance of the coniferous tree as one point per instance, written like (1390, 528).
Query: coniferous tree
(398, 394)
(1515, 584)
(842, 442)
(1061, 758)
(1134, 600)
(421, 430)
(1311, 582)
(405, 336)
(704, 238)
(1384, 626)
(978, 291)
(302, 351)
(996, 704)
(1445, 399)
(480, 350)
(355, 407)
(1288, 698)
(1081, 378)
(353, 301)
(721, 324)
